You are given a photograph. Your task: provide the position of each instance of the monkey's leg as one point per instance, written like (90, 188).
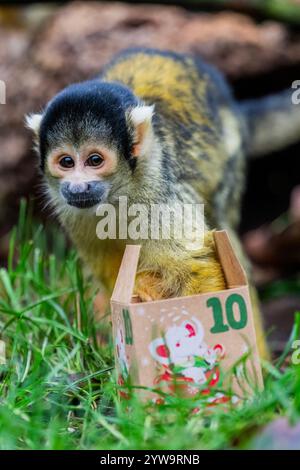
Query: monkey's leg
(203, 270)
(205, 275)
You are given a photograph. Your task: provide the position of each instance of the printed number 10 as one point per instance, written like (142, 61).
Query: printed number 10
(220, 326)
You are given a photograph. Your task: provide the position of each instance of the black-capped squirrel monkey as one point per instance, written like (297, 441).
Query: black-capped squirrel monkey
(155, 127)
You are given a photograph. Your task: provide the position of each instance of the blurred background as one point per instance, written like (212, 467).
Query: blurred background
(255, 43)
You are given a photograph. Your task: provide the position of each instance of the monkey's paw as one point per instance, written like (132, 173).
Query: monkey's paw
(148, 286)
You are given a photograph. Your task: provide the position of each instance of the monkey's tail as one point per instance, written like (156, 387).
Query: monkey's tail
(273, 122)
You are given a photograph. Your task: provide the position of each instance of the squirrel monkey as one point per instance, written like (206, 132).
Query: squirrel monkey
(155, 126)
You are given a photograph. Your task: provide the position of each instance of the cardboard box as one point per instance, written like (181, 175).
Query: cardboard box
(186, 345)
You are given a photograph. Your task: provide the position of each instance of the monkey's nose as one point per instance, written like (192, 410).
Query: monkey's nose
(83, 194)
(78, 188)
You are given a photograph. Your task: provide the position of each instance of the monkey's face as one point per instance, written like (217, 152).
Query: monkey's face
(81, 177)
(89, 138)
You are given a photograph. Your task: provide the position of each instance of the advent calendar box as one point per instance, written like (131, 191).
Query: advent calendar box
(202, 345)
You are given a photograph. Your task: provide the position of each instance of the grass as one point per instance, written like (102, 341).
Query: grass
(57, 389)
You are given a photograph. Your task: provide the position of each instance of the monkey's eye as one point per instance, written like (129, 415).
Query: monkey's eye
(94, 160)
(67, 162)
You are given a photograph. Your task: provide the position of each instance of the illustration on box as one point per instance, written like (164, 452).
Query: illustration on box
(187, 362)
(184, 361)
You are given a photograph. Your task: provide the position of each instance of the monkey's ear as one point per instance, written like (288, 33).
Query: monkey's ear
(33, 122)
(141, 119)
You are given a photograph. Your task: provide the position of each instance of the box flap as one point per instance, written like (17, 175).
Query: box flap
(126, 278)
(235, 275)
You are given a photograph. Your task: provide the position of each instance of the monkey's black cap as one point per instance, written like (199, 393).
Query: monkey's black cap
(88, 110)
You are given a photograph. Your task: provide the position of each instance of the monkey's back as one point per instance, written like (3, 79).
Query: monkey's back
(196, 120)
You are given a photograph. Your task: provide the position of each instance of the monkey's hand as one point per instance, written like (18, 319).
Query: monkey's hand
(149, 286)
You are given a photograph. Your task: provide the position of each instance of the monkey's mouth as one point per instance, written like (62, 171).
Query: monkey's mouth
(83, 202)
(84, 195)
